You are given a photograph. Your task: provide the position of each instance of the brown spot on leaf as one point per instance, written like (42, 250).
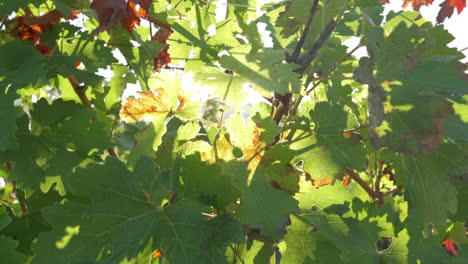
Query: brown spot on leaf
(135, 109)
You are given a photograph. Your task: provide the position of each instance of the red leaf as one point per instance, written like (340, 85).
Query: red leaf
(346, 181)
(74, 15)
(111, 12)
(447, 8)
(43, 49)
(29, 27)
(162, 35)
(450, 246)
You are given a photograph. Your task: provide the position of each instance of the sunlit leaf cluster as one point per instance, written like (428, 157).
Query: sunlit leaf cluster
(256, 135)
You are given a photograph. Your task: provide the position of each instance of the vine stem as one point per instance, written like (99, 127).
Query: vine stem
(81, 92)
(159, 23)
(345, 58)
(300, 44)
(363, 184)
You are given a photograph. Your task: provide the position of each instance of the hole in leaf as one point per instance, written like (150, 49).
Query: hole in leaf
(383, 243)
(311, 229)
(71, 147)
(315, 209)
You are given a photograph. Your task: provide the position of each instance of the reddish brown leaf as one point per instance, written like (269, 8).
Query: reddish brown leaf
(30, 27)
(162, 35)
(346, 181)
(43, 49)
(162, 58)
(74, 15)
(450, 246)
(447, 8)
(416, 3)
(128, 13)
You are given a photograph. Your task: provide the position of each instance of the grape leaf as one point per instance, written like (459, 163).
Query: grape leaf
(344, 226)
(208, 181)
(266, 70)
(8, 117)
(117, 85)
(111, 12)
(61, 125)
(228, 86)
(18, 57)
(7, 249)
(177, 229)
(403, 120)
(253, 136)
(4, 218)
(416, 3)
(327, 151)
(257, 210)
(93, 53)
(7, 7)
(166, 103)
(305, 245)
(431, 196)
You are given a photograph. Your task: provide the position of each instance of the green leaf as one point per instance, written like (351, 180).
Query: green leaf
(124, 200)
(209, 181)
(4, 218)
(7, 249)
(228, 87)
(188, 131)
(8, 117)
(327, 151)
(430, 194)
(343, 225)
(19, 57)
(304, 245)
(258, 211)
(266, 70)
(416, 98)
(7, 7)
(117, 85)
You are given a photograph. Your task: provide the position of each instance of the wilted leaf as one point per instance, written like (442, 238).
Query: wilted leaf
(156, 105)
(416, 3)
(111, 12)
(447, 8)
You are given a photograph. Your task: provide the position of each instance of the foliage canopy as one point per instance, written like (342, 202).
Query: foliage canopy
(346, 160)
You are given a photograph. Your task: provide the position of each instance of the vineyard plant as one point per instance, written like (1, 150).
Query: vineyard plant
(305, 149)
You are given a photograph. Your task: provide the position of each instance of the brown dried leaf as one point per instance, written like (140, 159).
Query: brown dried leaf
(149, 104)
(111, 12)
(416, 3)
(30, 27)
